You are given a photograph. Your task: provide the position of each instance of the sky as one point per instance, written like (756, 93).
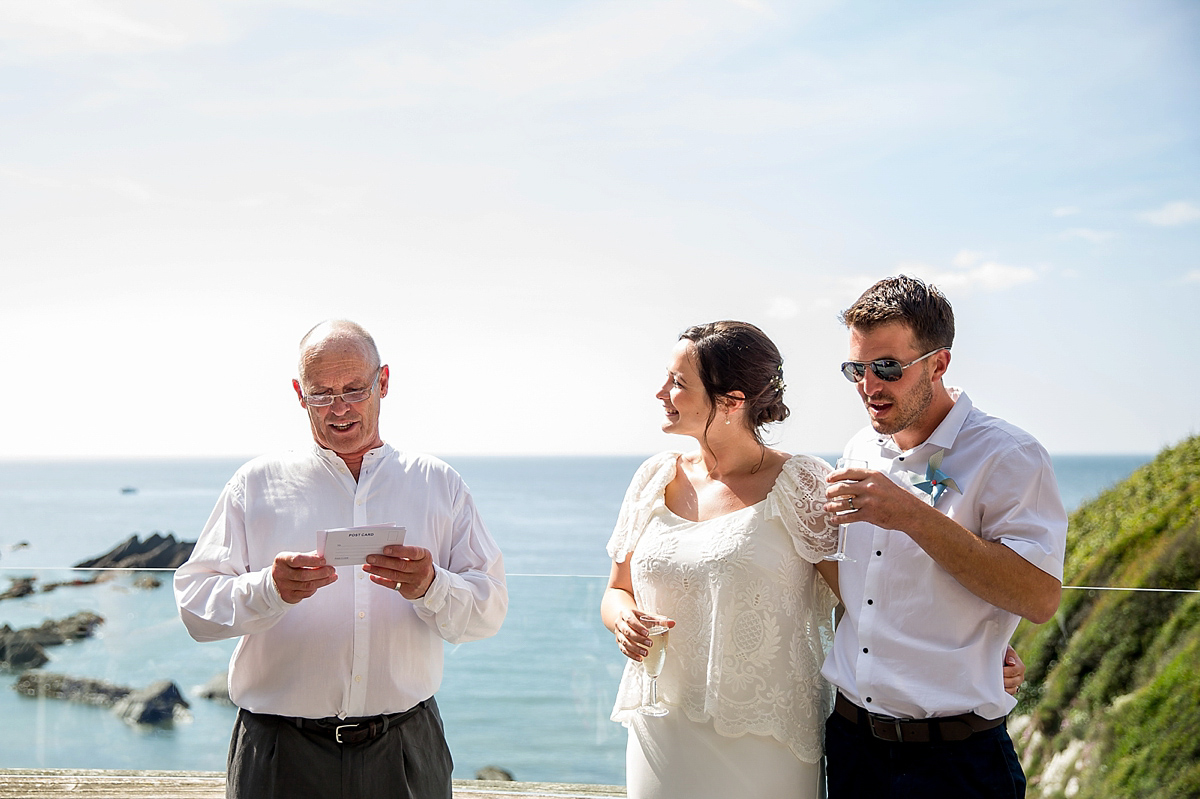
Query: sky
(527, 202)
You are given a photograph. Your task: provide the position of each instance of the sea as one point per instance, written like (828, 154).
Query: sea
(533, 700)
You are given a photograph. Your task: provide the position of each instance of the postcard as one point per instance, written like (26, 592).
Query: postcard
(349, 546)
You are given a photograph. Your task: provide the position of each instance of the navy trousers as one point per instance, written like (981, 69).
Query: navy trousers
(860, 765)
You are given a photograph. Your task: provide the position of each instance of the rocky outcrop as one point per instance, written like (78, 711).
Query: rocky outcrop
(17, 654)
(21, 586)
(26, 648)
(43, 685)
(216, 690)
(156, 552)
(157, 704)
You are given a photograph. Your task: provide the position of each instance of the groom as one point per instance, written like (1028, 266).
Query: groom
(957, 532)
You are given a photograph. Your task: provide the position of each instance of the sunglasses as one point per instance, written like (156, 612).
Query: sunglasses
(888, 369)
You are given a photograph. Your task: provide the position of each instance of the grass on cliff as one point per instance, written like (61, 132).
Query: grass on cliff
(1118, 669)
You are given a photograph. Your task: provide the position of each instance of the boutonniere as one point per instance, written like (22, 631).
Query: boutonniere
(936, 481)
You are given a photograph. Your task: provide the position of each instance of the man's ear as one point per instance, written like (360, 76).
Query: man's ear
(941, 364)
(383, 381)
(299, 393)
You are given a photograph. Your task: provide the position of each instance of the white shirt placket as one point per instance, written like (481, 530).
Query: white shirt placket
(364, 589)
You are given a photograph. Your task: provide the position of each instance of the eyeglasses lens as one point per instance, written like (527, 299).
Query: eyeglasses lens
(887, 369)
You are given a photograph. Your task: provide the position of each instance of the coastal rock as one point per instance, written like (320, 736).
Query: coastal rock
(158, 703)
(156, 552)
(494, 773)
(17, 654)
(25, 648)
(21, 586)
(155, 704)
(73, 628)
(216, 689)
(37, 684)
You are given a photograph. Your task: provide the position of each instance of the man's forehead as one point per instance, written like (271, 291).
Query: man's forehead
(887, 340)
(336, 357)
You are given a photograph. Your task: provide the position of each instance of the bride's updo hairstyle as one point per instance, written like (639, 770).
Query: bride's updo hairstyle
(737, 356)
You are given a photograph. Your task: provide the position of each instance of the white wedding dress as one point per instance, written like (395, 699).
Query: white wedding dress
(753, 623)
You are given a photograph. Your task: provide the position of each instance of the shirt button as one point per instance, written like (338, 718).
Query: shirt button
(870, 601)
(362, 615)
(864, 650)
(868, 699)
(878, 552)
(358, 678)
(359, 502)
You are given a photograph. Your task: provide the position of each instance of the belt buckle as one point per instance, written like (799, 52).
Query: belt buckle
(885, 722)
(337, 731)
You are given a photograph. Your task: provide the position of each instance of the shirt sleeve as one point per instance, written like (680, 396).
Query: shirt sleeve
(1022, 509)
(798, 499)
(218, 596)
(468, 598)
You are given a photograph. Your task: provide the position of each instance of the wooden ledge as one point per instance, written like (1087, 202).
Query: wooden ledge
(72, 783)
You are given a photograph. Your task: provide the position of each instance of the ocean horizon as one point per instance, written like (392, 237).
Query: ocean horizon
(534, 700)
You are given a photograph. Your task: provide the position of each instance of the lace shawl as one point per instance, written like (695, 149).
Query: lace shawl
(754, 620)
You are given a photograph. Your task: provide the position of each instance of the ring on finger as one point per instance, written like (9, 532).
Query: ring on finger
(397, 585)
(850, 502)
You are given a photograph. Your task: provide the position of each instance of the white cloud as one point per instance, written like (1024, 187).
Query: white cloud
(57, 27)
(1088, 234)
(1192, 276)
(971, 273)
(968, 258)
(783, 308)
(1066, 210)
(988, 276)
(1171, 214)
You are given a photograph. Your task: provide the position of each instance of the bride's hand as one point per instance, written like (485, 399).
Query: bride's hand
(633, 636)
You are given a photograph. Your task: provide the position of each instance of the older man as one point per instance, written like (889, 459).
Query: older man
(956, 532)
(337, 667)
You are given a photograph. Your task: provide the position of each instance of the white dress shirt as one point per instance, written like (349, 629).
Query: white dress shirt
(914, 643)
(354, 648)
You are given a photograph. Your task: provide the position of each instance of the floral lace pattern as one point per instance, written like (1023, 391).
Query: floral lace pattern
(753, 617)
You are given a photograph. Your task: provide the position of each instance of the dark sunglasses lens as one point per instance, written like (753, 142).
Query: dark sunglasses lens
(854, 371)
(887, 369)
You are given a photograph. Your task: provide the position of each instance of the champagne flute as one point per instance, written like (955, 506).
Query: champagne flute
(845, 463)
(653, 663)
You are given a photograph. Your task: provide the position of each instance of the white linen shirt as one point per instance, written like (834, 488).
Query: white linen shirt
(914, 643)
(354, 648)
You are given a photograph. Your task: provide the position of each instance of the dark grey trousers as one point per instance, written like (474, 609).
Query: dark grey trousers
(270, 758)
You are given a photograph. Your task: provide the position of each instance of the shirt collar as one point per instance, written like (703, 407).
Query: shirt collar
(332, 457)
(944, 435)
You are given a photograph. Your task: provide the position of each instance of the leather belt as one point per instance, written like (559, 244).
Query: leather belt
(354, 730)
(942, 728)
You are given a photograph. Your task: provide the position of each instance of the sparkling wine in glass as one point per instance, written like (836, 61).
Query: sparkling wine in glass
(653, 663)
(845, 463)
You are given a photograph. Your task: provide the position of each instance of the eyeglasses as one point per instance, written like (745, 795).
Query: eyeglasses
(888, 369)
(324, 400)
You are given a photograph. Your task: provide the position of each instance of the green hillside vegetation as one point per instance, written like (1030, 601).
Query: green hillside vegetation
(1111, 707)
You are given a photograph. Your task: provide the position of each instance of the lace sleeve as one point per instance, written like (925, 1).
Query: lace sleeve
(799, 500)
(648, 484)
